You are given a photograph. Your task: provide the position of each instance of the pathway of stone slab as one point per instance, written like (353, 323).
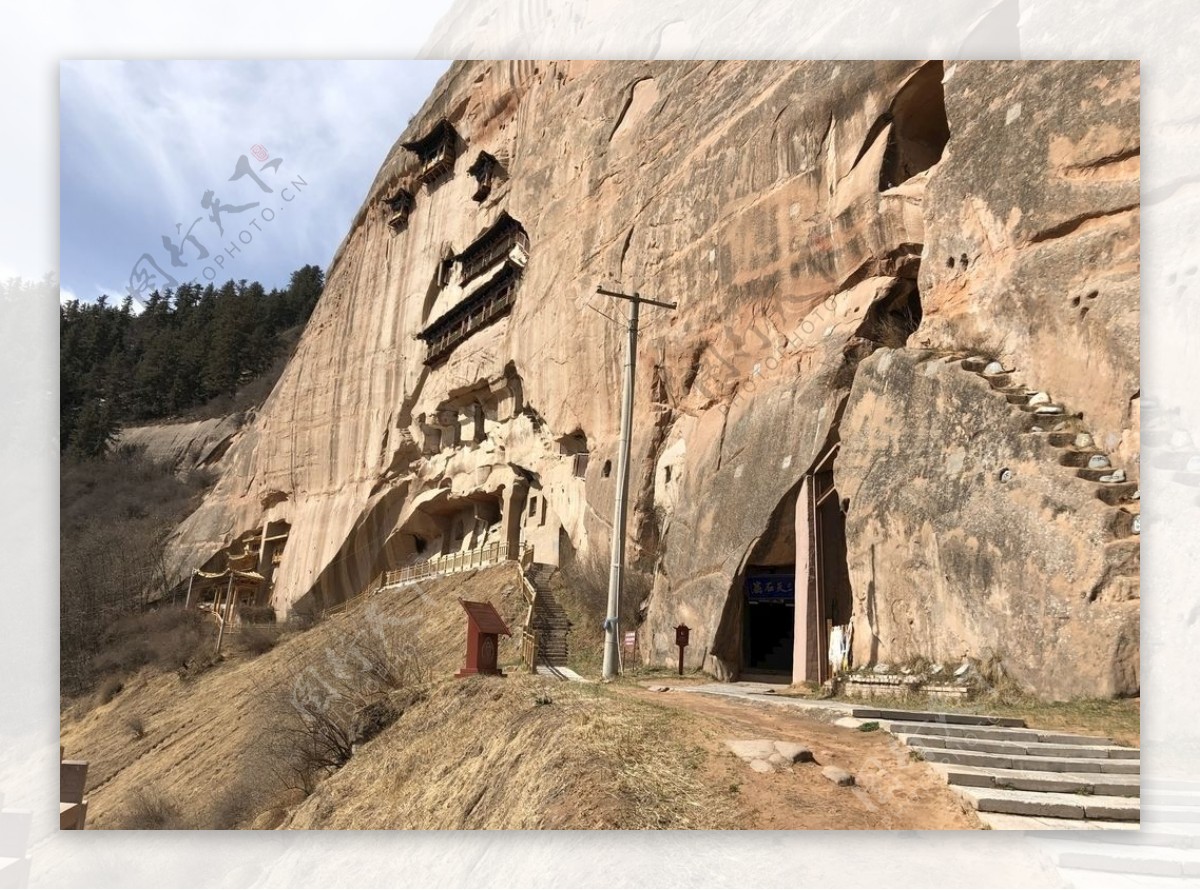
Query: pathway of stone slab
(1016, 777)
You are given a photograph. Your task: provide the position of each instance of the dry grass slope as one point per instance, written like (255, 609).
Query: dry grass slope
(521, 752)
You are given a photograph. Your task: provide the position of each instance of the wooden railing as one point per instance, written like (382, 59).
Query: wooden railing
(489, 554)
(375, 585)
(529, 655)
(529, 649)
(452, 563)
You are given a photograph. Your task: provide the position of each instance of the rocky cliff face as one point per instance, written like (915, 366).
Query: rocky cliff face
(836, 235)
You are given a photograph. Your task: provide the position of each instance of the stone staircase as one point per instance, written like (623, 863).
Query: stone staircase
(549, 620)
(1077, 453)
(1022, 778)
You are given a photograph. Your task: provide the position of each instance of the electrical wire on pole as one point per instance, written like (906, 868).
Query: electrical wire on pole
(616, 577)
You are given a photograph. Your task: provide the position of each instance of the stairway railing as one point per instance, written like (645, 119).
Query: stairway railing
(453, 563)
(529, 640)
(529, 649)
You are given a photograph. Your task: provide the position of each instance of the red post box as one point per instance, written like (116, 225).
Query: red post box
(484, 626)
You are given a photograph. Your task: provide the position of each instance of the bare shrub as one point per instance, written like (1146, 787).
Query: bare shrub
(170, 638)
(114, 515)
(340, 699)
(257, 614)
(152, 811)
(253, 791)
(586, 580)
(994, 682)
(258, 639)
(109, 688)
(136, 726)
(891, 330)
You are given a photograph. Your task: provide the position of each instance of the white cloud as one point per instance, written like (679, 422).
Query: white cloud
(147, 139)
(66, 295)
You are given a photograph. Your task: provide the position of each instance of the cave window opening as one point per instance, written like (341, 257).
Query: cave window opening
(480, 423)
(606, 471)
(919, 130)
(895, 318)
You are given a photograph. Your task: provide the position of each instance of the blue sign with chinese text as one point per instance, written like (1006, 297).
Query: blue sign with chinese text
(771, 588)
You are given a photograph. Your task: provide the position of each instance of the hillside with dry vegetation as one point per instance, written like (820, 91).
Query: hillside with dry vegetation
(357, 722)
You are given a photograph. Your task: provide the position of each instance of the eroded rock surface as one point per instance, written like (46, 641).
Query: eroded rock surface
(458, 384)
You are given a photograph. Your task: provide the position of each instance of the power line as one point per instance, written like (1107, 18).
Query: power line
(616, 577)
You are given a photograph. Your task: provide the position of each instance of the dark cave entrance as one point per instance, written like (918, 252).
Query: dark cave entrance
(768, 596)
(768, 637)
(919, 129)
(795, 593)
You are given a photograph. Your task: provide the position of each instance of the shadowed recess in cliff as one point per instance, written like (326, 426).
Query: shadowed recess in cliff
(919, 129)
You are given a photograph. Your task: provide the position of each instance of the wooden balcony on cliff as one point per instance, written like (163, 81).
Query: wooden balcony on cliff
(489, 303)
(505, 239)
(400, 205)
(437, 151)
(484, 169)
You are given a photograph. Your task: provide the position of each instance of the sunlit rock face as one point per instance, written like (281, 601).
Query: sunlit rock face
(834, 234)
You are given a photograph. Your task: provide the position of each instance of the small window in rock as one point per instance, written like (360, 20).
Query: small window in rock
(445, 267)
(480, 422)
(579, 468)
(667, 475)
(533, 505)
(607, 470)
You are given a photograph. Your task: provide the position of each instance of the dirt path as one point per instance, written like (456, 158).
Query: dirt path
(892, 791)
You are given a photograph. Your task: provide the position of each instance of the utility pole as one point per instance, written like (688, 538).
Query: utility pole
(616, 576)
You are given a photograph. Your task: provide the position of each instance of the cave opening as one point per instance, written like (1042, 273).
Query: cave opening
(919, 129)
(794, 594)
(891, 320)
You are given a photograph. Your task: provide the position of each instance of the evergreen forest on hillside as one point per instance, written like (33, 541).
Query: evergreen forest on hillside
(193, 347)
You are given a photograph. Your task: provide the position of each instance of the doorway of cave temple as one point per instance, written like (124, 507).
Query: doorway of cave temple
(768, 594)
(769, 635)
(823, 624)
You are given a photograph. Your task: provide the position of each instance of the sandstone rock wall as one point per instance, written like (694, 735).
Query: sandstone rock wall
(185, 446)
(792, 210)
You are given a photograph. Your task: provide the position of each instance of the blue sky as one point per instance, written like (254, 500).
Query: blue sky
(143, 142)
